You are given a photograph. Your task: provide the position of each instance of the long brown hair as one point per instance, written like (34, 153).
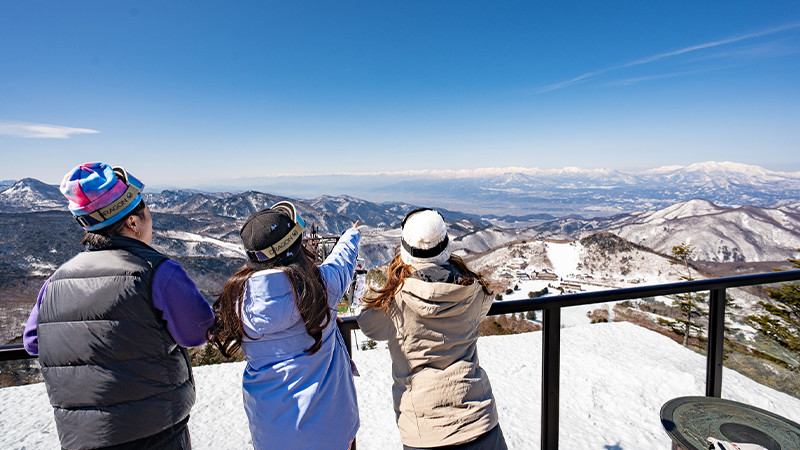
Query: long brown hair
(399, 271)
(310, 297)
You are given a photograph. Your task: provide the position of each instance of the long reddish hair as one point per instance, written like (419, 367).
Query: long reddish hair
(382, 297)
(310, 298)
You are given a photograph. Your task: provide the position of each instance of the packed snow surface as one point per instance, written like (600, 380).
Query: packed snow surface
(614, 379)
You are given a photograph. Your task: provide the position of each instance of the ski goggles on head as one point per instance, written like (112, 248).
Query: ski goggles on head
(285, 242)
(124, 204)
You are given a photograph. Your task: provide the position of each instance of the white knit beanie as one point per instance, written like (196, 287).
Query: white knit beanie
(424, 238)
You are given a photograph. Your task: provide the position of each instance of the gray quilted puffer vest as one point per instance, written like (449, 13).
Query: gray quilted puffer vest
(112, 370)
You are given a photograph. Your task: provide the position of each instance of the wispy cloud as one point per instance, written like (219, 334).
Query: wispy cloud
(634, 80)
(40, 130)
(772, 49)
(657, 57)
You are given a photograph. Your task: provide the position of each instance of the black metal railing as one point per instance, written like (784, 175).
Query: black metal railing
(551, 321)
(551, 339)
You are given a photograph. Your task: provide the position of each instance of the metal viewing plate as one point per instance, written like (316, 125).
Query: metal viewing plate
(689, 421)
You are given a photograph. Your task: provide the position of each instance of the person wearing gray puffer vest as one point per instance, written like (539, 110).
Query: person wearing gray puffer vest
(111, 325)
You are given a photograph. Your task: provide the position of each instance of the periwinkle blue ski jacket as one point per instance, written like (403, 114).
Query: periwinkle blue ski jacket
(293, 399)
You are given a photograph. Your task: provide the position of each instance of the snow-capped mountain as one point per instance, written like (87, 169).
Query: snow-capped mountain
(789, 204)
(721, 234)
(236, 205)
(328, 214)
(29, 194)
(600, 259)
(723, 174)
(379, 215)
(485, 239)
(167, 200)
(746, 233)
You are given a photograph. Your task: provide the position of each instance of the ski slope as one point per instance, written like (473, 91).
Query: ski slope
(564, 257)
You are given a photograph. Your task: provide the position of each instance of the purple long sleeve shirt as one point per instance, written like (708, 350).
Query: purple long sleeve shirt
(182, 307)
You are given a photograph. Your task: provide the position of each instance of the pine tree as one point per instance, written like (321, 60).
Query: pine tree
(688, 303)
(783, 321)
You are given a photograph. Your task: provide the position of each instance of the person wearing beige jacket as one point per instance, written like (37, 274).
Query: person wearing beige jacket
(429, 311)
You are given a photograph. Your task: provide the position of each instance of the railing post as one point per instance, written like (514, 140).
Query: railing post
(551, 362)
(347, 335)
(716, 342)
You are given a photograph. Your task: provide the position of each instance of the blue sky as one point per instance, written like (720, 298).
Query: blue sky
(188, 92)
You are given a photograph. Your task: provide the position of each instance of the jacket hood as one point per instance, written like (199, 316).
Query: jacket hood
(439, 299)
(269, 303)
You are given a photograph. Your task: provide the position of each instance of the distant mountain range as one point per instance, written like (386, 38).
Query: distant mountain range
(558, 192)
(200, 229)
(330, 214)
(200, 224)
(510, 197)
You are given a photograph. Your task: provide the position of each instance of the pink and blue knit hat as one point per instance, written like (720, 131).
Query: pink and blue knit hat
(100, 195)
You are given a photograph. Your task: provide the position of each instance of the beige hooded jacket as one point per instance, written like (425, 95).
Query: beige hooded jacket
(441, 394)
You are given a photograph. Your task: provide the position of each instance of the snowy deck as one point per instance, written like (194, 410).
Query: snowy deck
(614, 379)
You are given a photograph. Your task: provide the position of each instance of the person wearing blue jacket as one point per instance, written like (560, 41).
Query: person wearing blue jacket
(280, 309)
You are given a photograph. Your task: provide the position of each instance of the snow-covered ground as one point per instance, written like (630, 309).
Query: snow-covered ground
(192, 240)
(614, 379)
(564, 256)
(574, 262)
(570, 317)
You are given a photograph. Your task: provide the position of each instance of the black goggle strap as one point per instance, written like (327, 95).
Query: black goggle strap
(277, 248)
(427, 252)
(103, 214)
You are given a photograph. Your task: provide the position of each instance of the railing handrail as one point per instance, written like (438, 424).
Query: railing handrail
(613, 295)
(12, 351)
(551, 321)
